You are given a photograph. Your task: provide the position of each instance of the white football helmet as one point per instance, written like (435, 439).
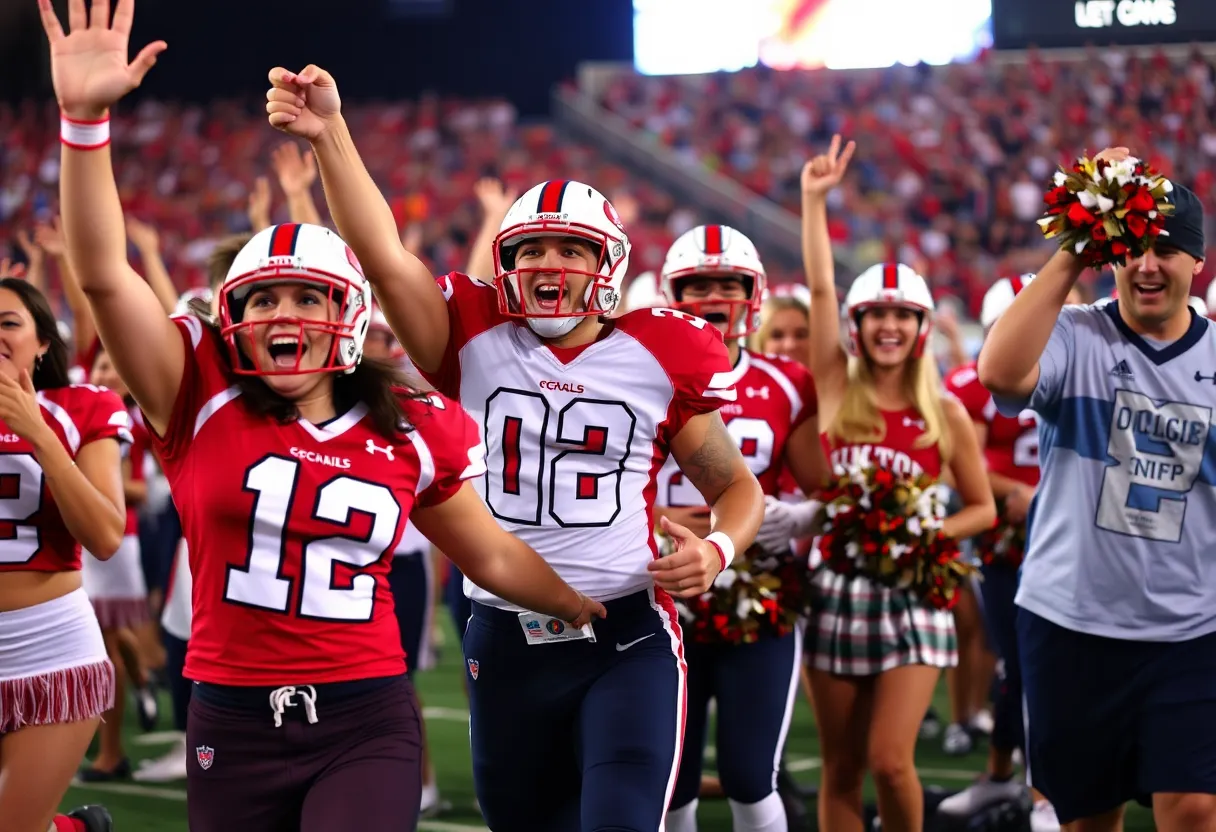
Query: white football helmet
(561, 208)
(999, 297)
(889, 284)
(1211, 295)
(1199, 305)
(299, 253)
(795, 291)
(716, 251)
(643, 292)
(202, 293)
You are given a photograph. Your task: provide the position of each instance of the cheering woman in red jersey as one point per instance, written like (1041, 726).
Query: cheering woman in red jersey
(294, 463)
(876, 652)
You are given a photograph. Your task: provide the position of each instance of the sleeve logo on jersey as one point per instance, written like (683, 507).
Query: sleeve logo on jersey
(1155, 454)
(373, 449)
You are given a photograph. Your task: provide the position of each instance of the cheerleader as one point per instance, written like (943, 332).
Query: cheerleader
(876, 653)
(119, 594)
(62, 488)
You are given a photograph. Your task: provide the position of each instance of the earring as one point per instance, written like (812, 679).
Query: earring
(38, 362)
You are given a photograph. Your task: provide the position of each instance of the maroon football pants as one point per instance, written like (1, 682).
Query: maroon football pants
(358, 767)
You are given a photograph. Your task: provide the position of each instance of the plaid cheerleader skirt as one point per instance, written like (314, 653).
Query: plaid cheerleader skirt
(861, 628)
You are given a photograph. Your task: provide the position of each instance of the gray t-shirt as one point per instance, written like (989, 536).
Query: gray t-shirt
(1122, 531)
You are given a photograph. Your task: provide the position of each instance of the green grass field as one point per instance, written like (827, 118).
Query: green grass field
(161, 808)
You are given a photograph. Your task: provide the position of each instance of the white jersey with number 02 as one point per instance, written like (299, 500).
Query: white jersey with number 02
(574, 438)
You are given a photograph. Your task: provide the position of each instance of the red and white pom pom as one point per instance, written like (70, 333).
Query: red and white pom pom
(84, 135)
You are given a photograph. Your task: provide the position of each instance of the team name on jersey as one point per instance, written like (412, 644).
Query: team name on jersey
(9, 437)
(560, 386)
(1163, 427)
(731, 409)
(865, 456)
(320, 459)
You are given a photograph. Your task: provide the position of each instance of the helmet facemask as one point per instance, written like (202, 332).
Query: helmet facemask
(294, 337)
(742, 315)
(552, 311)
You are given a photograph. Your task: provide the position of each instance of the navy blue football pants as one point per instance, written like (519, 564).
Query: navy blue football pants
(997, 590)
(755, 686)
(577, 735)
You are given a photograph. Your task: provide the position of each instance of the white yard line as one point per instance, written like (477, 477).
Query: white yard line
(179, 796)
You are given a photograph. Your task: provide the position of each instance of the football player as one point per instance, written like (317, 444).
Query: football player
(714, 272)
(62, 480)
(294, 464)
(578, 412)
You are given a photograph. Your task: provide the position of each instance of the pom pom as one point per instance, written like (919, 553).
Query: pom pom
(1004, 543)
(888, 528)
(1106, 211)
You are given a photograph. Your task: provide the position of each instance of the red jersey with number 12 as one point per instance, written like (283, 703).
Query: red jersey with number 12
(575, 436)
(33, 536)
(291, 528)
(1012, 449)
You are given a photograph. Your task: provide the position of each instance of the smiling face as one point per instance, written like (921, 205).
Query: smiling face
(788, 335)
(1155, 289)
(19, 342)
(555, 274)
(889, 334)
(276, 340)
(380, 343)
(720, 299)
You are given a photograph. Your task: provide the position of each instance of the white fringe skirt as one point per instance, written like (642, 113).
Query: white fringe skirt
(116, 586)
(53, 665)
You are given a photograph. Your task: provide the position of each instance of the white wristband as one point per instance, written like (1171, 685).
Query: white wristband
(84, 135)
(725, 545)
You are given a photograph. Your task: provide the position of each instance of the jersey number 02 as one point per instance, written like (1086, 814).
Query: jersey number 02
(260, 584)
(580, 486)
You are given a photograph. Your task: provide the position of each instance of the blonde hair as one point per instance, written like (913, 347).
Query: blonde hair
(775, 304)
(859, 420)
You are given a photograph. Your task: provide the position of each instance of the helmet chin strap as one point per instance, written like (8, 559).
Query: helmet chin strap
(553, 327)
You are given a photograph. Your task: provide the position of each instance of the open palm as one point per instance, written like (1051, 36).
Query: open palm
(89, 65)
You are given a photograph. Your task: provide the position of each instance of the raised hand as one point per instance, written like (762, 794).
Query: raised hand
(495, 198)
(50, 238)
(303, 104)
(142, 235)
(10, 269)
(89, 65)
(296, 171)
(825, 171)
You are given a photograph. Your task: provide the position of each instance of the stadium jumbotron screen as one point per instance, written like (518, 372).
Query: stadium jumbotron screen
(1017, 24)
(690, 36)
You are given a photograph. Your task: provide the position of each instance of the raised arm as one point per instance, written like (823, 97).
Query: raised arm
(307, 105)
(1009, 360)
(91, 73)
(296, 173)
(495, 201)
(147, 243)
(828, 360)
(50, 237)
